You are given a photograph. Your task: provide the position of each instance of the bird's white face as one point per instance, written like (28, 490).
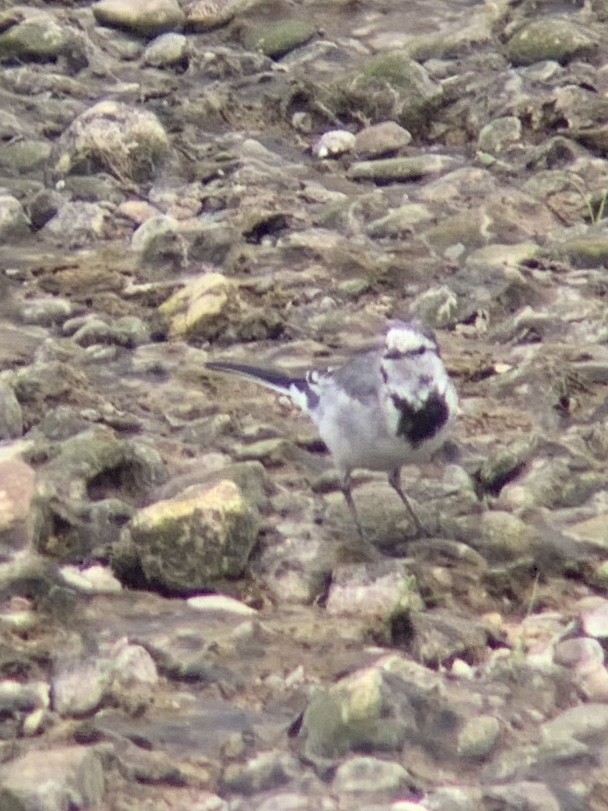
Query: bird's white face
(403, 340)
(418, 397)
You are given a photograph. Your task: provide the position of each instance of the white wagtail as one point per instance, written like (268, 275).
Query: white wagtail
(382, 409)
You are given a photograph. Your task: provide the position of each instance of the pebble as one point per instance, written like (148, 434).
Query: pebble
(478, 737)
(134, 677)
(167, 50)
(404, 805)
(595, 620)
(381, 139)
(145, 17)
(379, 590)
(370, 776)
(400, 169)
(579, 652)
(580, 722)
(214, 528)
(536, 796)
(264, 772)
(92, 580)
(13, 221)
(219, 602)
(11, 415)
(78, 221)
(17, 492)
(38, 35)
(53, 779)
(17, 697)
(46, 312)
(197, 309)
(129, 142)
(79, 689)
(158, 239)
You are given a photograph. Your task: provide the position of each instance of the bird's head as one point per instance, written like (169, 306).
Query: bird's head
(406, 339)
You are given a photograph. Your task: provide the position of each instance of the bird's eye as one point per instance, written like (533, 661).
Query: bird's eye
(396, 354)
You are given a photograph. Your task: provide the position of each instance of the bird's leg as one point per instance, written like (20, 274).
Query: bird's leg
(348, 496)
(369, 550)
(394, 479)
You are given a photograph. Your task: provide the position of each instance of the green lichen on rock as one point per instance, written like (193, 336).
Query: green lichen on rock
(549, 39)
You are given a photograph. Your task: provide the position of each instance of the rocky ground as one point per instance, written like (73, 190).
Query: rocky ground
(186, 619)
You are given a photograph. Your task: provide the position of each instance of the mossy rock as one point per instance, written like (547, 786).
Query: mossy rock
(277, 39)
(549, 39)
(390, 86)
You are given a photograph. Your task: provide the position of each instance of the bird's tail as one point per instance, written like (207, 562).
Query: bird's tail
(297, 388)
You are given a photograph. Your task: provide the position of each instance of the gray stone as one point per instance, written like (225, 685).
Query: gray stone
(549, 38)
(133, 677)
(42, 208)
(389, 170)
(295, 801)
(77, 221)
(188, 542)
(595, 620)
(583, 722)
(532, 796)
(128, 142)
(370, 775)
(19, 698)
(353, 714)
(13, 221)
(202, 308)
(277, 37)
(127, 331)
(80, 689)
(270, 452)
(500, 535)
(17, 494)
(478, 737)
(265, 772)
(47, 311)
(438, 306)
(459, 233)
(39, 36)
(53, 780)
(158, 239)
(11, 416)
(599, 576)
(220, 602)
(554, 754)
(578, 652)
(76, 462)
(440, 635)
(130, 331)
(381, 139)
(500, 135)
(202, 15)
(92, 580)
(93, 331)
(400, 221)
(24, 156)
(390, 86)
(379, 590)
(147, 19)
(454, 798)
(167, 50)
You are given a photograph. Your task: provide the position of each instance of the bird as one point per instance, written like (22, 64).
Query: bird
(383, 408)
